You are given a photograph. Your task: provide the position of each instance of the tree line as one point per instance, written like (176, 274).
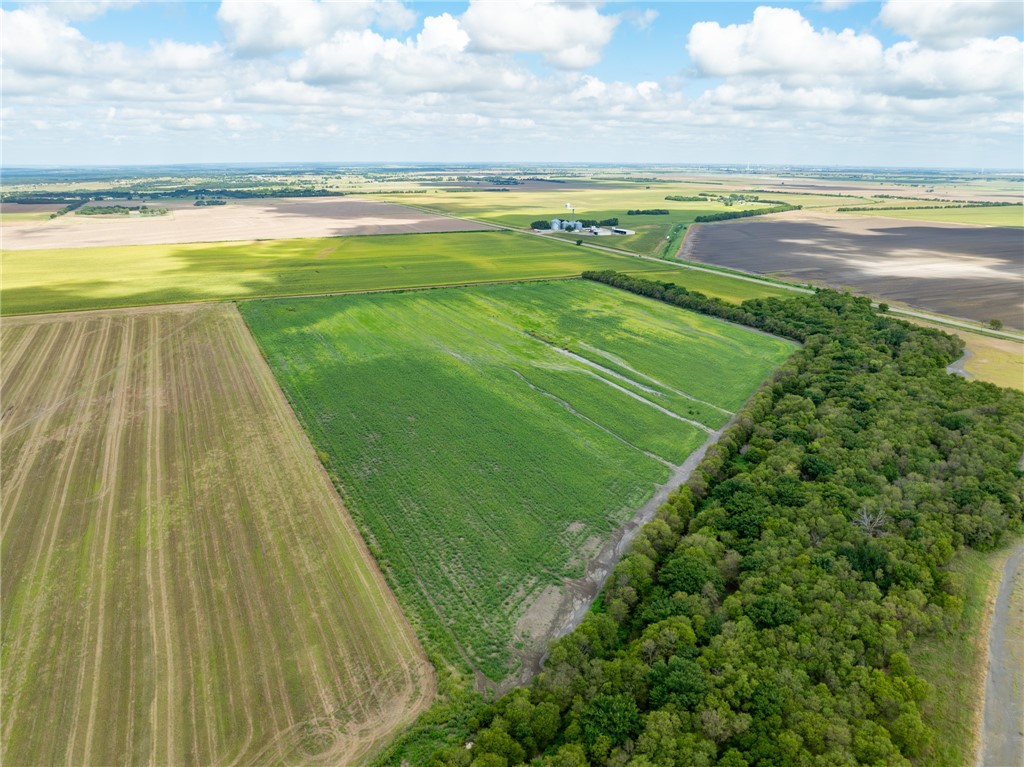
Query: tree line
(726, 215)
(765, 616)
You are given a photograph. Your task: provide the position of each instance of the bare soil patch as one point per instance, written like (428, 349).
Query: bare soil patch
(180, 582)
(270, 219)
(976, 273)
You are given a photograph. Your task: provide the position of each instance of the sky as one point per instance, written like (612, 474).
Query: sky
(905, 83)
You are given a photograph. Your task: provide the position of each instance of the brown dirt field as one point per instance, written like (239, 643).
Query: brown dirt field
(277, 219)
(976, 273)
(180, 582)
(19, 207)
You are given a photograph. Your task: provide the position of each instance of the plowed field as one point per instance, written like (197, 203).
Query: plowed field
(180, 582)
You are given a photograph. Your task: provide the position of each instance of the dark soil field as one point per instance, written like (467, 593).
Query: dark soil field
(963, 271)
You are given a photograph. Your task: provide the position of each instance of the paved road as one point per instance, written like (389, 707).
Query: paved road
(1002, 734)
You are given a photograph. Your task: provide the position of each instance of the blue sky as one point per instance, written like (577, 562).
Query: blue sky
(904, 82)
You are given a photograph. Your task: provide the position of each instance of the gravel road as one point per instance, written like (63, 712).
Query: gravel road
(1002, 736)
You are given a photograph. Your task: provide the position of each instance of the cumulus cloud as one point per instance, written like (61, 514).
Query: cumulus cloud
(82, 10)
(256, 28)
(779, 41)
(436, 60)
(34, 41)
(288, 76)
(168, 54)
(569, 36)
(980, 66)
(780, 47)
(948, 23)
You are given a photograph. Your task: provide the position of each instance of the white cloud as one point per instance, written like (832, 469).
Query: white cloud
(641, 19)
(168, 54)
(343, 87)
(261, 27)
(779, 41)
(80, 10)
(980, 66)
(835, 5)
(442, 33)
(36, 42)
(569, 36)
(779, 46)
(947, 23)
(437, 60)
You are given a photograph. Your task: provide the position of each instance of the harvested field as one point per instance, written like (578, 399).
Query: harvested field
(996, 360)
(135, 275)
(275, 219)
(489, 439)
(961, 271)
(999, 215)
(181, 583)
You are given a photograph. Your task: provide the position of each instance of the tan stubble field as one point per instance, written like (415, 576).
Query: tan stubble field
(180, 582)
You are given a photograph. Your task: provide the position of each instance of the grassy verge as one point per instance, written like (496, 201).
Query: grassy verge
(953, 663)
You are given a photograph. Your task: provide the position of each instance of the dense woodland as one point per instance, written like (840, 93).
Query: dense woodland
(764, 617)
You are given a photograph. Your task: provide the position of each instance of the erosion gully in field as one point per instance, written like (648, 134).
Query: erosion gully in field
(490, 440)
(181, 583)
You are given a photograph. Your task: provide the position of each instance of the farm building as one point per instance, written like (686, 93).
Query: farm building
(569, 226)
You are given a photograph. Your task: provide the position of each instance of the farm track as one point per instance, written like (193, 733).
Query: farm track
(181, 583)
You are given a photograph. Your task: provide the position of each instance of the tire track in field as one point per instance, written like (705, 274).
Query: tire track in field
(207, 549)
(111, 463)
(27, 456)
(154, 537)
(72, 757)
(36, 572)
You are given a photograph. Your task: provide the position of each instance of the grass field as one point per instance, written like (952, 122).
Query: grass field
(181, 583)
(716, 285)
(953, 663)
(92, 278)
(1009, 215)
(487, 438)
(996, 360)
(521, 208)
(7, 218)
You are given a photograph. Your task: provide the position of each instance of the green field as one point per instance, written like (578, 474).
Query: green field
(480, 457)
(94, 278)
(715, 285)
(953, 661)
(521, 208)
(1004, 215)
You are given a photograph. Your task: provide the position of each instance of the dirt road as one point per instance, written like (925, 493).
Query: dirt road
(1002, 736)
